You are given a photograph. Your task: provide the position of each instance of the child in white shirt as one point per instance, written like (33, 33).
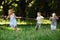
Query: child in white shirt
(39, 20)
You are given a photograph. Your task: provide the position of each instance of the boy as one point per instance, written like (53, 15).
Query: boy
(54, 21)
(39, 20)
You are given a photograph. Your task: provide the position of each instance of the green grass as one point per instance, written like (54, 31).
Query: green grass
(28, 32)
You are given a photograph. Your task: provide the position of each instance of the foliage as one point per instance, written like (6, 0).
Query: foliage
(28, 8)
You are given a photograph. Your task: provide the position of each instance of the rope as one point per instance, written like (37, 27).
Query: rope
(26, 18)
(22, 17)
(19, 17)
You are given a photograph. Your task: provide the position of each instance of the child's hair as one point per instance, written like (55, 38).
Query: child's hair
(53, 14)
(10, 11)
(39, 13)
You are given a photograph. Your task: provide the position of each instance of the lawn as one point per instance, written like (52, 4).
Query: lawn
(28, 32)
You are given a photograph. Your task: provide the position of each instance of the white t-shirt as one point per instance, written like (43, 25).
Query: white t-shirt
(39, 19)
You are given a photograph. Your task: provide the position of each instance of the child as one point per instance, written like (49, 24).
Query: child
(39, 20)
(13, 22)
(54, 21)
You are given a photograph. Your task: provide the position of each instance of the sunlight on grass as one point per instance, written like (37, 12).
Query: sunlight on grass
(9, 28)
(45, 21)
(22, 22)
(28, 32)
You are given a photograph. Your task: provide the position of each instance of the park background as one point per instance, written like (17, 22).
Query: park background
(28, 9)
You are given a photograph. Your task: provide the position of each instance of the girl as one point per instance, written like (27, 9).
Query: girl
(54, 21)
(39, 20)
(13, 22)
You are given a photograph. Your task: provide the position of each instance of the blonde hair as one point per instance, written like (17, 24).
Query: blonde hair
(10, 11)
(53, 14)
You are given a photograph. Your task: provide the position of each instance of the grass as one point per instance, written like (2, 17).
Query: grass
(28, 32)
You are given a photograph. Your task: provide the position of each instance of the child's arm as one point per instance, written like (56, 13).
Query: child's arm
(18, 17)
(56, 17)
(42, 17)
(8, 16)
(15, 16)
(50, 18)
(36, 18)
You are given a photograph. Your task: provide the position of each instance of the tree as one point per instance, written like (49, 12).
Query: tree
(29, 8)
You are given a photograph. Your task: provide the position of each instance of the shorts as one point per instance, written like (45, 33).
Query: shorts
(53, 27)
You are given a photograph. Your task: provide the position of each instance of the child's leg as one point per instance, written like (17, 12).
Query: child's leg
(36, 27)
(53, 27)
(12, 26)
(39, 26)
(15, 28)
